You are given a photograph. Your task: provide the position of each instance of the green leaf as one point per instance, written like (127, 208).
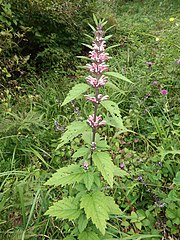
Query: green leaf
(92, 27)
(73, 130)
(113, 46)
(96, 208)
(82, 223)
(87, 45)
(89, 36)
(107, 37)
(119, 172)
(68, 208)
(88, 180)
(176, 180)
(95, 19)
(102, 145)
(81, 152)
(111, 107)
(69, 238)
(105, 165)
(66, 175)
(75, 92)
(83, 57)
(118, 75)
(113, 207)
(88, 235)
(116, 122)
(114, 87)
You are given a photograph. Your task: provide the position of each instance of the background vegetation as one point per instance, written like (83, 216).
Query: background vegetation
(39, 42)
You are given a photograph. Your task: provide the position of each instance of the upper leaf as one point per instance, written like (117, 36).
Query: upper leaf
(105, 165)
(96, 208)
(68, 208)
(75, 92)
(81, 152)
(112, 107)
(73, 130)
(66, 175)
(118, 75)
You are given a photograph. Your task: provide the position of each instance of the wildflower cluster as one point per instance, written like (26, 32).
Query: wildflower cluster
(97, 79)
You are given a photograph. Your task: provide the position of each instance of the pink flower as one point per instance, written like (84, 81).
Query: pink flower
(98, 57)
(97, 122)
(103, 56)
(155, 83)
(97, 100)
(85, 165)
(99, 46)
(164, 92)
(178, 61)
(92, 81)
(102, 81)
(102, 67)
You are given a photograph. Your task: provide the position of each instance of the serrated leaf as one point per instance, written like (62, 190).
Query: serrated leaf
(105, 165)
(119, 172)
(116, 122)
(113, 207)
(111, 107)
(67, 208)
(81, 152)
(118, 75)
(88, 179)
(95, 208)
(66, 175)
(88, 235)
(82, 223)
(87, 137)
(102, 145)
(73, 130)
(75, 92)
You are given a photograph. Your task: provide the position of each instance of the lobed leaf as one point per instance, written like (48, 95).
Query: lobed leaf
(105, 165)
(73, 130)
(75, 92)
(67, 208)
(66, 175)
(96, 208)
(81, 152)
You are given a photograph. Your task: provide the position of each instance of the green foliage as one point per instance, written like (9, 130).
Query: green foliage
(118, 76)
(73, 130)
(75, 92)
(88, 235)
(104, 164)
(96, 207)
(65, 209)
(67, 175)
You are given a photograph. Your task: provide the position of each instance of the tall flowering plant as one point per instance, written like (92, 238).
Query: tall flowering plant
(87, 204)
(97, 80)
